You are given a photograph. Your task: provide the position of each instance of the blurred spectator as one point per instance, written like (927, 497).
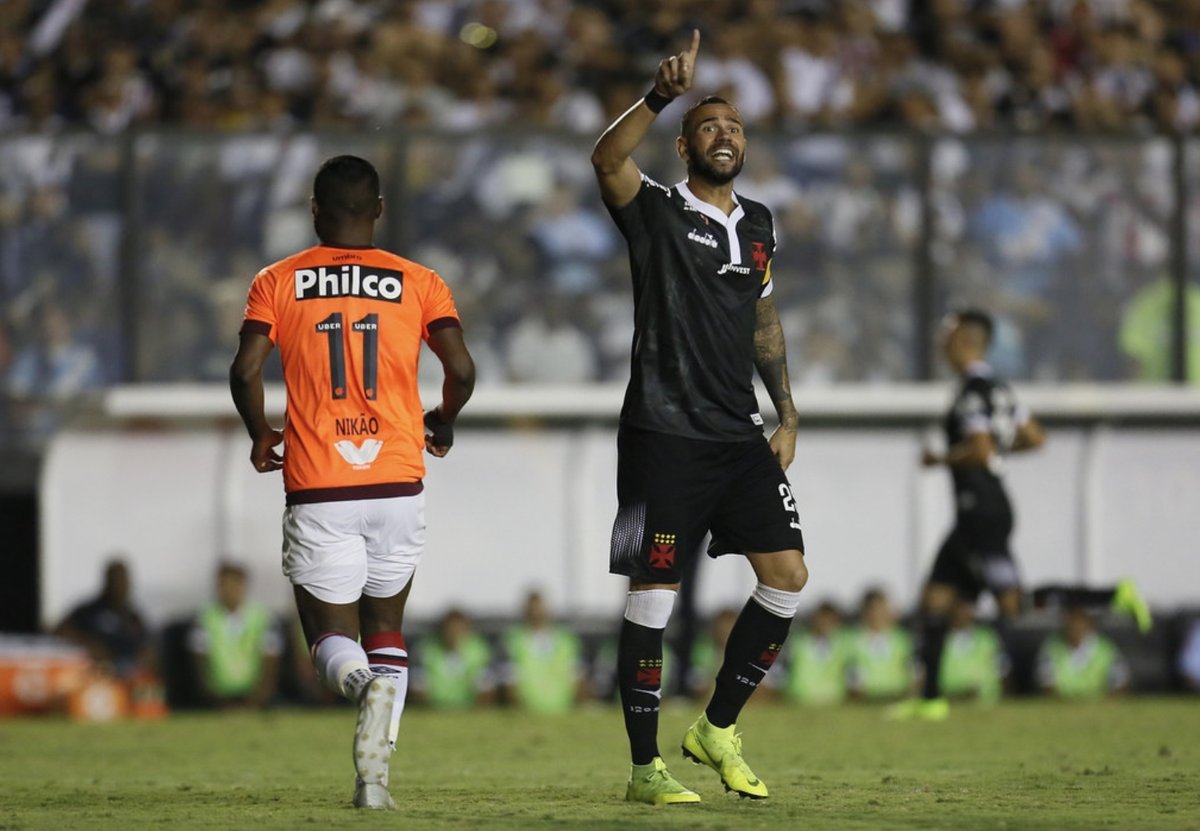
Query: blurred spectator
(463, 66)
(1189, 656)
(880, 652)
(543, 662)
(110, 628)
(819, 660)
(235, 645)
(973, 664)
(1079, 662)
(1145, 330)
(455, 667)
(548, 346)
(708, 653)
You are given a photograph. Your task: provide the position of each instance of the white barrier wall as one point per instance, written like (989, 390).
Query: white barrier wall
(512, 508)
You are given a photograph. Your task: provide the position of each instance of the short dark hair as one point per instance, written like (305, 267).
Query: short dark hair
(703, 102)
(228, 568)
(346, 187)
(977, 318)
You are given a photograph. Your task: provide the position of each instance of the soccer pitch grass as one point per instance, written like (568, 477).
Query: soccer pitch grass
(1130, 764)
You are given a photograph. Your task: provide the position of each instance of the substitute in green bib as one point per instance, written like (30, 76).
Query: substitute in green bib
(235, 645)
(543, 662)
(818, 667)
(973, 661)
(881, 652)
(1079, 662)
(455, 666)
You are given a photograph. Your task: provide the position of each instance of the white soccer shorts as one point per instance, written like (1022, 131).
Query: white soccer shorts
(340, 551)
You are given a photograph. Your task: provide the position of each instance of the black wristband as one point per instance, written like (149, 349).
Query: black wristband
(656, 102)
(442, 432)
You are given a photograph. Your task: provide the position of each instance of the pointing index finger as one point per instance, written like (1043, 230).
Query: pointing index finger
(695, 47)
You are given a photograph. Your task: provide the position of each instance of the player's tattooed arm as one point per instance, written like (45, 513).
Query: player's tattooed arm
(770, 359)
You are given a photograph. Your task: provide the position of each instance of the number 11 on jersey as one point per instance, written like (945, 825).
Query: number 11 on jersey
(368, 326)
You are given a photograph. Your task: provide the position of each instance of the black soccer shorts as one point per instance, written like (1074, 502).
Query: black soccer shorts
(975, 556)
(672, 490)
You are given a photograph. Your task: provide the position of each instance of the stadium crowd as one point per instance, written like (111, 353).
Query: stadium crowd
(127, 259)
(465, 65)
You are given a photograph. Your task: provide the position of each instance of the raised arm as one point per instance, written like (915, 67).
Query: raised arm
(616, 171)
(770, 359)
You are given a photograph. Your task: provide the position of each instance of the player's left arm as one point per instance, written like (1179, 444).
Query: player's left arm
(246, 387)
(1029, 435)
(770, 359)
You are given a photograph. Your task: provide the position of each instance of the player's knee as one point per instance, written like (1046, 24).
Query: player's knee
(791, 576)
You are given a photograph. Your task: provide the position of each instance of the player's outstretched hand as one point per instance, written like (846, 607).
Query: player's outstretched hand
(674, 76)
(439, 435)
(263, 454)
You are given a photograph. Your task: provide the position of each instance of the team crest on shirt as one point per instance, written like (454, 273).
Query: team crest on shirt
(662, 551)
(759, 254)
(360, 456)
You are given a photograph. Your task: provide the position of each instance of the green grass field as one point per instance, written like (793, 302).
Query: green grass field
(1131, 764)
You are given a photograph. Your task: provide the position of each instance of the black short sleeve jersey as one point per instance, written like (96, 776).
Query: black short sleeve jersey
(697, 278)
(983, 404)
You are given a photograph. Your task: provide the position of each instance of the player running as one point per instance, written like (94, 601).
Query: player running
(984, 424)
(349, 319)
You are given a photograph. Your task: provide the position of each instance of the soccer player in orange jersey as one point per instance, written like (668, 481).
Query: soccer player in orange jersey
(349, 319)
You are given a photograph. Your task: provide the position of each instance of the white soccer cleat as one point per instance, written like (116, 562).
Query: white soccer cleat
(373, 797)
(372, 749)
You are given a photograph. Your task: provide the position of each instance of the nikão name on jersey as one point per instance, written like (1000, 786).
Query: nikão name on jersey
(349, 281)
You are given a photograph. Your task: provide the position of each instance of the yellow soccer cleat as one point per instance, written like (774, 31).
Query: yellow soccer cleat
(721, 749)
(1129, 600)
(919, 709)
(654, 785)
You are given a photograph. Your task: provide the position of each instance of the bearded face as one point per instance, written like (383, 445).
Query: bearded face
(719, 165)
(715, 144)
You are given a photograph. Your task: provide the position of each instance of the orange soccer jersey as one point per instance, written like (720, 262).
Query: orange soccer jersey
(349, 324)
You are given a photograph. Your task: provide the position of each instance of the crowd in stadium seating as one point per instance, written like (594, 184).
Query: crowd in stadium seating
(123, 263)
(959, 65)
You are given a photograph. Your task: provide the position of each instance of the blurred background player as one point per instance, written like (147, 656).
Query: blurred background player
(235, 645)
(543, 669)
(818, 660)
(1079, 662)
(349, 319)
(691, 453)
(881, 659)
(455, 668)
(983, 425)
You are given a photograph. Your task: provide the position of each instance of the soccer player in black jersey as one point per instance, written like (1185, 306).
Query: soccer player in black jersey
(692, 457)
(983, 425)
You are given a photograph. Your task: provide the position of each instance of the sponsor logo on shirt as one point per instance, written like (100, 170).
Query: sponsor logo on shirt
(360, 456)
(349, 281)
(736, 269)
(708, 239)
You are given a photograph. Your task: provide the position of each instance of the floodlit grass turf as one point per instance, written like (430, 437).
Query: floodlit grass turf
(1132, 764)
